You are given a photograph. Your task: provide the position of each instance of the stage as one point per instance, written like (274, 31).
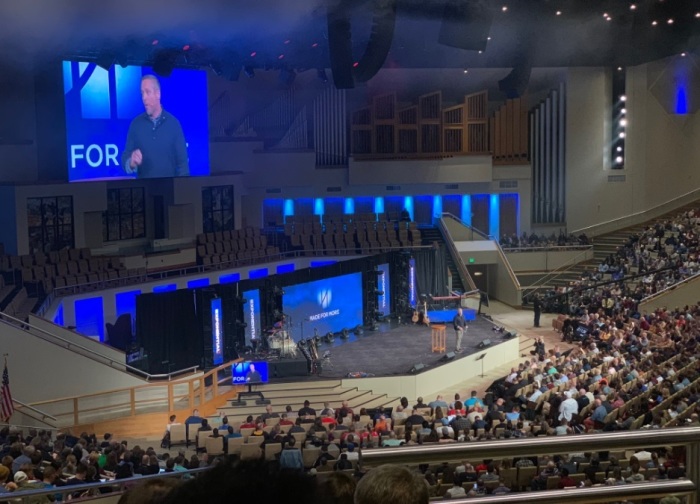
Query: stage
(393, 349)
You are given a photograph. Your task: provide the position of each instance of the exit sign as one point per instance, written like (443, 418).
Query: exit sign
(472, 260)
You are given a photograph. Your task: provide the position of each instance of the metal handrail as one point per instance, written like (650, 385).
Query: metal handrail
(27, 496)
(668, 289)
(462, 271)
(695, 192)
(588, 495)
(469, 226)
(555, 248)
(87, 352)
(564, 268)
(511, 273)
(527, 447)
(32, 408)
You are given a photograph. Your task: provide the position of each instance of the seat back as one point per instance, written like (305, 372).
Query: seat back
(214, 445)
(234, 445)
(177, 434)
(250, 451)
(272, 450)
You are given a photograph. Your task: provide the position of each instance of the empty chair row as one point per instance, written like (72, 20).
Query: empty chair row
(240, 256)
(80, 267)
(236, 234)
(12, 262)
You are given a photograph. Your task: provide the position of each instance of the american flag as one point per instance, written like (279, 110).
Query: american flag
(6, 396)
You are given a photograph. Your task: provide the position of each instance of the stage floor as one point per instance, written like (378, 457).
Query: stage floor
(394, 349)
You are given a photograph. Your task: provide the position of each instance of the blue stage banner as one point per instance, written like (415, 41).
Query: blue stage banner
(100, 105)
(217, 332)
(384, 286)
(251, 316)
(328, 305)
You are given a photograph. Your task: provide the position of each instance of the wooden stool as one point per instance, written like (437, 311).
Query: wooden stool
(438, 337)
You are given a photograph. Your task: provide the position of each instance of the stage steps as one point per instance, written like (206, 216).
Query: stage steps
(294, 394)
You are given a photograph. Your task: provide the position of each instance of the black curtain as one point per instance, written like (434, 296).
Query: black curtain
(166, 328)
(431, 271)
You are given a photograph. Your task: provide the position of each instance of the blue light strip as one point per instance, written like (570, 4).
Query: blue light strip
(349, 207)
(466, 214)
(379, 205)
(437, 206)
(408, 205)
(288, 207)
(318, 206)
(495, 216)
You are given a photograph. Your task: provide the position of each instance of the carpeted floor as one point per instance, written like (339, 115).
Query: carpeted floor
(394, 349)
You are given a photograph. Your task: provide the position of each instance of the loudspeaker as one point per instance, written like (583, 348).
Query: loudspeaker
(447, 357)
(485, 343)
(509, 335)
(417, 368)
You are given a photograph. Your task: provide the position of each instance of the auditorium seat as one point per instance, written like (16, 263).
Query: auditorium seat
(214, 446)
(177, 435)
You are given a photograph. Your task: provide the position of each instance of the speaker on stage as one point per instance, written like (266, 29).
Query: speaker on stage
(484, 344)
(417, 368)
(509, 335)
(447, 357)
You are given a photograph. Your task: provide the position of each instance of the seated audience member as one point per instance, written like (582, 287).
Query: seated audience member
(290, 457)
(455, 492)
(307, 410)
(391, 484)
(336, 488)
(342, 463)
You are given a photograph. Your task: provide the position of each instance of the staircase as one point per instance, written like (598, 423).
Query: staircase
(607, 244)
(432, 234)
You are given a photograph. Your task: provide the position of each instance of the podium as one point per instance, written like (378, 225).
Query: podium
(438, 338)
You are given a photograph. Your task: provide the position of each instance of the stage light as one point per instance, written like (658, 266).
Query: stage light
(623, 122)
(623, 98)
(654, 23)
(623, 111)
(633, 6)
(253, 54)
(622, 134)
(345, 334)
(619, 149)
(670, 21)
(619, 159)
(683, 54)
(504, 8)
(558, 13)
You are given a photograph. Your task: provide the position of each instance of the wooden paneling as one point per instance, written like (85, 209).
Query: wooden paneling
(508, 214)
(509, 132)
(480, 212)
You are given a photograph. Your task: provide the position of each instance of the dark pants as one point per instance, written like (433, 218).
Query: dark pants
(537, 318)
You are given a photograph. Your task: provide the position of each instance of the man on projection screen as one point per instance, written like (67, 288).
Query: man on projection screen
(155, 144)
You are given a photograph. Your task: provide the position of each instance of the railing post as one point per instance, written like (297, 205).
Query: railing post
(214, 384)
(171, 397)
(692, 467)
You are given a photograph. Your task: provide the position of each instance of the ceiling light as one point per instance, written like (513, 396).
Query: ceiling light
(623, 111)
(623, 122)
(670, 21)
(488, 38)
(622, 134)
(697, 14)
(619, 159)
(504, 8)
(633, 6)
(654, 23)
(619, 69)
(466, 71)
(623, 98)
(683, 54)
(619, 149)
(558, 13)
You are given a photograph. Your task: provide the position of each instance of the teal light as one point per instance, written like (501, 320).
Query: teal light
(495, 216)
(437, 205)
(349, 207)
(379, 204)
(288, 207)
(466, 214)
(318, 206)
(408, 205)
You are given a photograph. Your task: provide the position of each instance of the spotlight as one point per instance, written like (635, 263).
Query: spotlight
(623, 98)
(358, 330)
(345, 334)
(619, 160)
(623, 122)
(619, 149)
(622, 134)
(328, 338)
(623, 111)
(249, 71)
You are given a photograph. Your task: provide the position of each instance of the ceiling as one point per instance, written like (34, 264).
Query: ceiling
(295, 33)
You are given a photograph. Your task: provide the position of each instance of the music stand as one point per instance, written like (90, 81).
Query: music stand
(481, 358)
